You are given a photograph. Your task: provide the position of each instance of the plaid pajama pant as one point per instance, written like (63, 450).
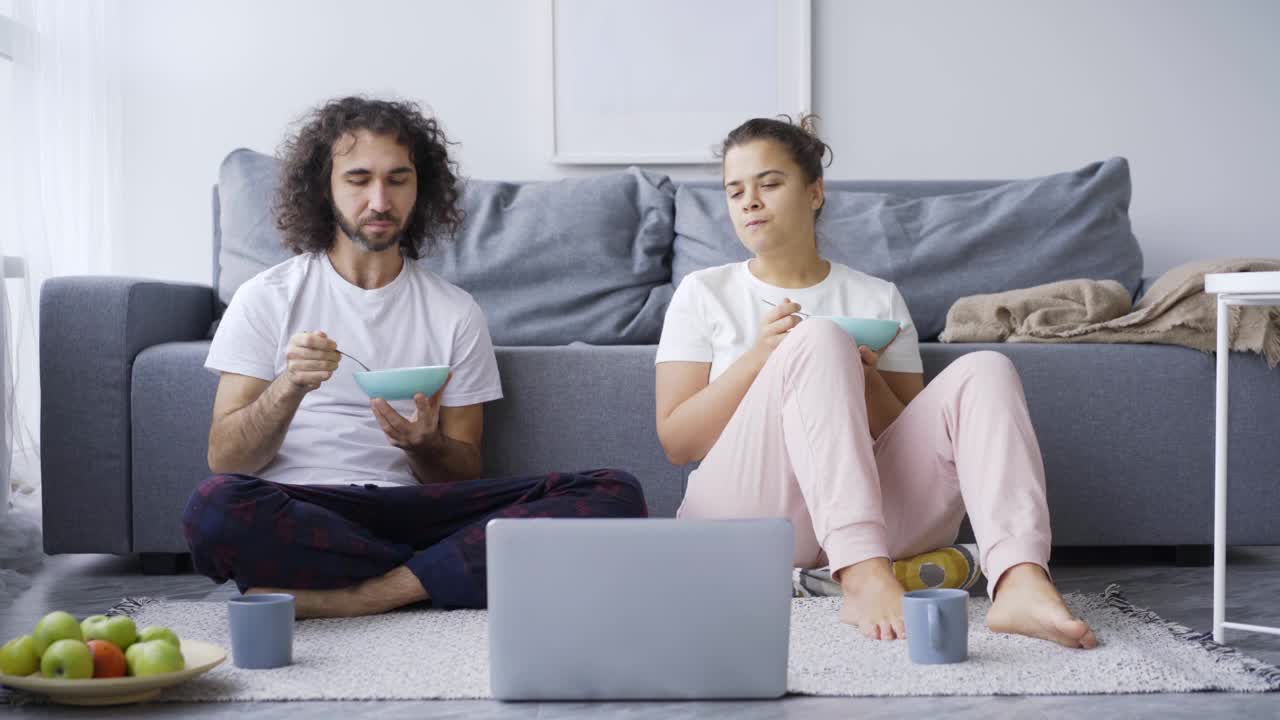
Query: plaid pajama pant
(264, 534)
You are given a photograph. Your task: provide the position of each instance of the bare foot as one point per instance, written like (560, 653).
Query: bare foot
(370, 597)
(873, 599)
(1027, 603)
(343, 602)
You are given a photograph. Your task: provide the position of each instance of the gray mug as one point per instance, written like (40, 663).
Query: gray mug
(261, 630)
(937, 626)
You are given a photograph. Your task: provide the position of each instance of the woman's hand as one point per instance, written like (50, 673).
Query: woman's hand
(883, 407)
(870, 358)
(777, 323)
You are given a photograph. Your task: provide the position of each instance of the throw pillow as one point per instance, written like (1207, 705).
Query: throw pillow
(940, 248)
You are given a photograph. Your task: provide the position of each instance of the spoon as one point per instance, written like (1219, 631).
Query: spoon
(366, 367)
(766, 302)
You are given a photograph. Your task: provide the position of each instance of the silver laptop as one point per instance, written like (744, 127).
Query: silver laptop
(642, 609)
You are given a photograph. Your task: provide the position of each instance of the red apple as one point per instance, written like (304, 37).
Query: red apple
(108, 659)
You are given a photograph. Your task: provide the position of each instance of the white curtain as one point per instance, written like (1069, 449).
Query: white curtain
(63, 216)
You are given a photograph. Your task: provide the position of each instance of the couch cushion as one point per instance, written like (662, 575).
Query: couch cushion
(1126, 461)
(249, 241)
(1126, 433)
(940, 248)
(562, 412)
(577, 407)
(171, 406)
(582, 259)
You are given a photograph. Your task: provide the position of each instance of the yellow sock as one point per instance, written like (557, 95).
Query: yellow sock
(949, 567)
(954, 566)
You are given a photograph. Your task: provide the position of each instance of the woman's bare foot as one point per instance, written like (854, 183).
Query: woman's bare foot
(1027, 603)
(873, 599)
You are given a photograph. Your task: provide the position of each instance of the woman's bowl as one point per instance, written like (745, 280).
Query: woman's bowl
(402, 383)
(872, 332)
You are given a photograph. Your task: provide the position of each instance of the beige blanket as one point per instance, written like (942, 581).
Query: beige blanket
(1175, 310)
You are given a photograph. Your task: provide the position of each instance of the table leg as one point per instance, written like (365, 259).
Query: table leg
(1220, 475)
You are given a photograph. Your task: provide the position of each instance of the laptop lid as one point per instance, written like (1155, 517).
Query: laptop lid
(595, 609)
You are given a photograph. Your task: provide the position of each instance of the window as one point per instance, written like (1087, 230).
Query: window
(6, 116)
(6, 30)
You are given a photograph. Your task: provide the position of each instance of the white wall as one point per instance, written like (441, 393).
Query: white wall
(203, 78)
(1188, 90)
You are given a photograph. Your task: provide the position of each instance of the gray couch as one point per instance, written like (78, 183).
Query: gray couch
(574, 276)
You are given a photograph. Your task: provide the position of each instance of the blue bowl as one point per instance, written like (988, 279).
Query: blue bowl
(871, 332)
(402, 383)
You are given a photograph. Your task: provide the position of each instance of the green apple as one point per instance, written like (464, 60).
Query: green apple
(119, 630)
(156, 632)
(53, 627)
(67, 660)
(153, 657)
(18, 657)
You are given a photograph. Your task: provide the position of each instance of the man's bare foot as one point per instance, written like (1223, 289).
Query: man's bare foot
(873, 599)
(375, 595)
(343, 602)
(1027, 603)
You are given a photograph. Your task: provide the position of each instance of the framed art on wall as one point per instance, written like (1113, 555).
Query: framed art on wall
(662, 81)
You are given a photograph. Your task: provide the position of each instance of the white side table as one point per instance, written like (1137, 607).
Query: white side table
(1243, 288)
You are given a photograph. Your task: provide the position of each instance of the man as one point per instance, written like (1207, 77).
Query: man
(358, 506)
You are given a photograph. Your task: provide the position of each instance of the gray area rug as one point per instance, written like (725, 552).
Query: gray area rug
(425, 654)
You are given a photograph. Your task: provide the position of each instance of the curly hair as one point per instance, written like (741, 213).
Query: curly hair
(304, 208)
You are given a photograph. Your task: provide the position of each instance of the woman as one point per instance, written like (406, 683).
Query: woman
(791, 419)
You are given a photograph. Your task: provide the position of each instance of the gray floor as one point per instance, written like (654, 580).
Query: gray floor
(87, 584)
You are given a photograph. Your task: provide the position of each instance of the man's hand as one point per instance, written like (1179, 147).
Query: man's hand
(420, 432)
(312, 357)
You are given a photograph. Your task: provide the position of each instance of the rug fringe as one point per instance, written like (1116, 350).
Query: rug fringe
(131, 605)
(1269, 674)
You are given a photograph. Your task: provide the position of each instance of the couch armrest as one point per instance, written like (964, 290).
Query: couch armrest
(91, 329)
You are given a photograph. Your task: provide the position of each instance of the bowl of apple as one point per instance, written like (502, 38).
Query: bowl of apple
(101, 660)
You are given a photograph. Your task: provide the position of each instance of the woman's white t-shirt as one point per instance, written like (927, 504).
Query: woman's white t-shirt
(716, 314)
(416, 319)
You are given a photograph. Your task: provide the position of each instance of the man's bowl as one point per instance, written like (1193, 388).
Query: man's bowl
(402, 383)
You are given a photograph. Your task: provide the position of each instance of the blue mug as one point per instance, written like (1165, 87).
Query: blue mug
(937, 626)
(261, 630)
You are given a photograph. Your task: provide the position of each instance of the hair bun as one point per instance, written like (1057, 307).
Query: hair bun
(799, 136)
(808, 122)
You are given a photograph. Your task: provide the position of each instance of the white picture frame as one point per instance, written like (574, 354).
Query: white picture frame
(662, 81)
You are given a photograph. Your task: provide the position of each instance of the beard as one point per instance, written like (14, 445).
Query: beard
(358, 236)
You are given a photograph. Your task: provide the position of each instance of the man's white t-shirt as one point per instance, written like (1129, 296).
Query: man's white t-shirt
(716, 314)
(417, 319)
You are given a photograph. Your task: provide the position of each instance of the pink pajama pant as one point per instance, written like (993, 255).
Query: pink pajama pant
(799, 446)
